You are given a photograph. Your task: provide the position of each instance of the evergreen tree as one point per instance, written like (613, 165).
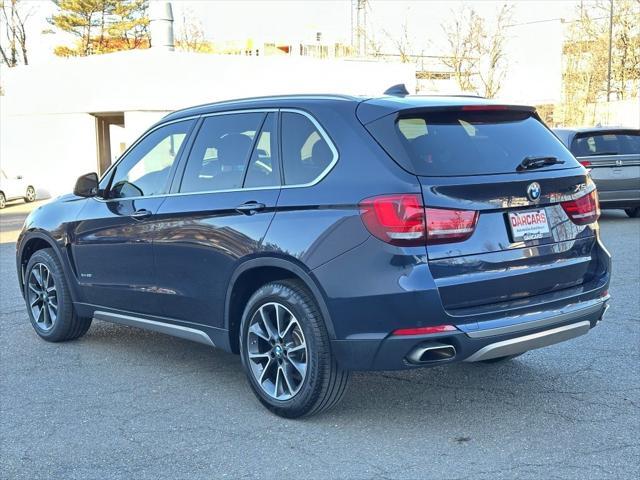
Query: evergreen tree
(102, 26)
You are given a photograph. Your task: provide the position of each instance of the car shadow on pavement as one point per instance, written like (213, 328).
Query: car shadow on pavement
(529, 384)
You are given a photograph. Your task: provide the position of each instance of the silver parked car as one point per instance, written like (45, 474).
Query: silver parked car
(612, 154)
(14, 188)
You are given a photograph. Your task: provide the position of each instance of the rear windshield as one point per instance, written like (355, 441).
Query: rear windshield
(459, 142)
(606, 143)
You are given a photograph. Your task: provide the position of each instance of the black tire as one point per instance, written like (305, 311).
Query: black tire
(632, 212)
(501, 359)
(67, 324)
(325, 381)
(3, 201)
(30, 194)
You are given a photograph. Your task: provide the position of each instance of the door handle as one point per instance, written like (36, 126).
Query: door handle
(250, 208)
(141, 214)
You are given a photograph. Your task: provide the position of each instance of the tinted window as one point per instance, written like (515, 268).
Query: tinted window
(220, 153)
(144, 171)
(263, 168)
(606, 143)
(632, 143)
(467, 142)
(305, 153)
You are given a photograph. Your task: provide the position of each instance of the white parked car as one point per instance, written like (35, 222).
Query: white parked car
(14, 189)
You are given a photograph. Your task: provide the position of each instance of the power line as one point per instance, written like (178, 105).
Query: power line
(563, 20)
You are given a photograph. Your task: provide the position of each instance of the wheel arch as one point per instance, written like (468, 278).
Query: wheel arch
(256, 272)
(33, 242)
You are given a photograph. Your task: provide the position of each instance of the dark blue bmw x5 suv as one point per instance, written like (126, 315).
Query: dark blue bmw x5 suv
(316, 235)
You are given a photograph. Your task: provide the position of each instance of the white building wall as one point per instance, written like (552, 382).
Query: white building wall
(47, 130)
(50, 150)
(136, 123)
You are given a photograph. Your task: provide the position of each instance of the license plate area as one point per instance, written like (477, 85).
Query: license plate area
(528, 224)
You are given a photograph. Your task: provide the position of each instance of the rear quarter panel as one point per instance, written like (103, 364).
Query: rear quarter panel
(364, 281)
(317, 223)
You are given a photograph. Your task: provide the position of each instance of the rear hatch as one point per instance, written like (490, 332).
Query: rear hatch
(510, 213)
(613, 156)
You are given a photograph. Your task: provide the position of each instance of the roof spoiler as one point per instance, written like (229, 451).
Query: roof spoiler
(398, 90)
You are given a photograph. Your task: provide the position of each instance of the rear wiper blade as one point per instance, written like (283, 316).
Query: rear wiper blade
(537, 162)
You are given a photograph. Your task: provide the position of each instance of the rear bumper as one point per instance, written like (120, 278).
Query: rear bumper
(487, 342)
(514, 346)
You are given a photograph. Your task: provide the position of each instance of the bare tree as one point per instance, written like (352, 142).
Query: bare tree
(585, 82)
(494, 62)
(191, 36)
(402, 43)
(13, 48)
(476, 55)
(463, 41)
(374, 47)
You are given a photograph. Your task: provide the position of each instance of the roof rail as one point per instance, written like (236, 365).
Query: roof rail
(398, 90)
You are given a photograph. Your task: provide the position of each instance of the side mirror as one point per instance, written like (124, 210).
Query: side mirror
(19, 177)
(86, 185)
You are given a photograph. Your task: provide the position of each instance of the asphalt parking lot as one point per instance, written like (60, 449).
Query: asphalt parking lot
(123, 403)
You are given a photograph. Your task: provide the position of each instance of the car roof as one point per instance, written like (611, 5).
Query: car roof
(250, 103)
(375, 106)
(599, 128)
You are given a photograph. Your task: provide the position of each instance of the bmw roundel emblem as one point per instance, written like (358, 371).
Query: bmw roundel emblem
(534, 191)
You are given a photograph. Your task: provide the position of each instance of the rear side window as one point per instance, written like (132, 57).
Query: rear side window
(606, 143)
(459, 143)
(306, 155)
(220, 153)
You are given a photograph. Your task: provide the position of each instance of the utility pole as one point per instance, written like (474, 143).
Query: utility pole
(360, 26)
(610, 47)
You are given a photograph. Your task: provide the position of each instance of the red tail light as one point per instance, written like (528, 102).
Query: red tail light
(444, 226)
(583, 210)
(585, 163)
(402, 220)
(395, 219)
(425, 330)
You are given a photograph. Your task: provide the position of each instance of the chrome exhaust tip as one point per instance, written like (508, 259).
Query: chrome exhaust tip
(430, 353)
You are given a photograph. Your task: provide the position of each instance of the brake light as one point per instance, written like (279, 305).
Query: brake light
(445, 226)
(585, 163)
(583, 210)
(471, 108)
(395, 219)
(402, 220)
(425, 330)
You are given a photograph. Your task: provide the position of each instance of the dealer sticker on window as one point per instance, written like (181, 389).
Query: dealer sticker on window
(529, 225)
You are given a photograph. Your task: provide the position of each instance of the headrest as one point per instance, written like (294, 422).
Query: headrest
(233, 148)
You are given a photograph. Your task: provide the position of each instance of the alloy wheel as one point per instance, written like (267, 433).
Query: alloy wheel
(31, 194)
(43, 296)
(3, 201)
(277, 351)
